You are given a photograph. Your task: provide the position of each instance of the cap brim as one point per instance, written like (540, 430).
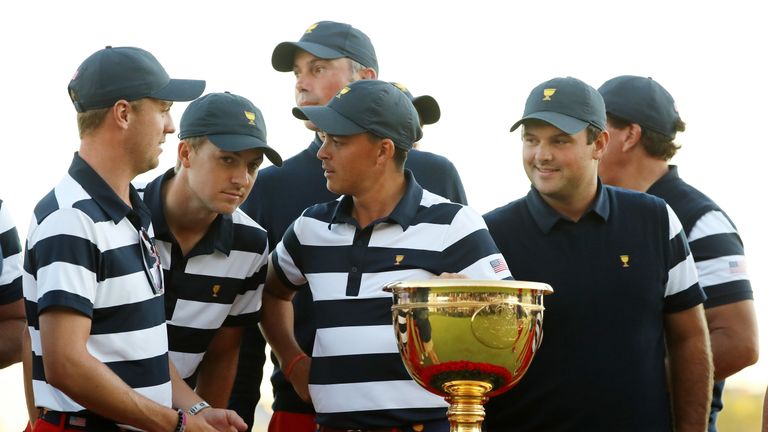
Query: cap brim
(285, 52)
(328, 120)
(235, 143)
(428, 109)
(563, 122)
(180, 90)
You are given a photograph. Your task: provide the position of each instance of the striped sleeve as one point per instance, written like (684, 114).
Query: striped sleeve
(470, 250)
(247, 304)
(10, 258)
(64, 261)
(682, 289)
(720, 261)
(283, 257)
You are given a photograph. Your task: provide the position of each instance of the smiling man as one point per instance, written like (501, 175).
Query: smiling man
(625, 285)
(213, 255)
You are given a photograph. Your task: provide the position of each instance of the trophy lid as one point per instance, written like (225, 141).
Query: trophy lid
(453, 284)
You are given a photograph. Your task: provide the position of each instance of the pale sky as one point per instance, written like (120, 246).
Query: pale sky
(478, 59)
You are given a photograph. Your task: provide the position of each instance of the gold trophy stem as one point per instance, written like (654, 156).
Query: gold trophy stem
(466, 412)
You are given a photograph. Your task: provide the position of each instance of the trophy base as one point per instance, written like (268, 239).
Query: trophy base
(466, 412)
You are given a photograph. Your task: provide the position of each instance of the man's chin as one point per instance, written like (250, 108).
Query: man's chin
(311, 126)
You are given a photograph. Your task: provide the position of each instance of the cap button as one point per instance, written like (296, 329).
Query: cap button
(108, 46)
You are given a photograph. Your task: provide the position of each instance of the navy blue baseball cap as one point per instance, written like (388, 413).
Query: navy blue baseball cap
(426, 105)
(643, 101)
(327, 40)
(128, 73)
(568, 104)
(367, 106)
(230, 122)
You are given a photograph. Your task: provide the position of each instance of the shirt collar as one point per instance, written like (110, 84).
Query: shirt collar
(670, 176)
(105, 197)
(219, 235)
(546, 217)
(314, 146)
(403, 214)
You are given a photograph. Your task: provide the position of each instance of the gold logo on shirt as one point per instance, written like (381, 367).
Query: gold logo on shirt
(312, 27)
(215, 290)
(399, 259)
(548, 93)
(251, 117)
(624, 260)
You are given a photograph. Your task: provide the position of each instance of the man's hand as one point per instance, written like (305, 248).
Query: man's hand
(299, 378)
(221, 419)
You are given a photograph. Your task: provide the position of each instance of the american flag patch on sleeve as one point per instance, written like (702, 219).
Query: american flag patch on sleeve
(499, 265)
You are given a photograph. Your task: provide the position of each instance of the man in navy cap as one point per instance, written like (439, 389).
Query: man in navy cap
(643, 122)
(214, 256)
(625, 286)
(328, 56)
(93, 284)
(385, 227)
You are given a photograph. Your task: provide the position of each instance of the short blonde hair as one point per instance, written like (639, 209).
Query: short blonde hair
(90, 120)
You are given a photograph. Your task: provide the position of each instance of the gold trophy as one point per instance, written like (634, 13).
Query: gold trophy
(467, 340)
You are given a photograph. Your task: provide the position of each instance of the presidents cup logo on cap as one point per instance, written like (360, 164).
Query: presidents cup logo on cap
(342, 92)
(576, 106)
(402, 87)
(312, 27)
(229, 121)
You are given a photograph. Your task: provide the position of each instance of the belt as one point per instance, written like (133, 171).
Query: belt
(80, 421)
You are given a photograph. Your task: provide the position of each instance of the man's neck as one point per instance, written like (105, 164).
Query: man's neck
(642, 174)
(575, 205)
(111, 167)
(187, 221)
(379, 201)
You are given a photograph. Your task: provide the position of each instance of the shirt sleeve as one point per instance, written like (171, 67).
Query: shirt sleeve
(286, 258)
(719, 255)
(682, 290)
(10, 258)
(63, 259)
(247, 305)
(470, 250)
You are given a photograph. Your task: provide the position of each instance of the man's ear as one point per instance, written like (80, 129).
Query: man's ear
(184, 152)
(386, 150)
(634, 133)
(600, 144)
(368, 73)
(120, 113)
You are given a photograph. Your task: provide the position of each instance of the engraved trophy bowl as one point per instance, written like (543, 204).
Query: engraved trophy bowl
(467, 340)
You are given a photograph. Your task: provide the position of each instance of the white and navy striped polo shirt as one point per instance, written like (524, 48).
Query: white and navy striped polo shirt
(10, 259)
(358, 379)
(218, 283)
(83, 253)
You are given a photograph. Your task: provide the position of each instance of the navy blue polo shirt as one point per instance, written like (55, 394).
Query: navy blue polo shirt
(217, 283)
(358, 379)
(277, 199)
(615, 274)
(717, 250)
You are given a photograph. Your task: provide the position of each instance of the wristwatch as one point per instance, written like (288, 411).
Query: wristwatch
(196, 408)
